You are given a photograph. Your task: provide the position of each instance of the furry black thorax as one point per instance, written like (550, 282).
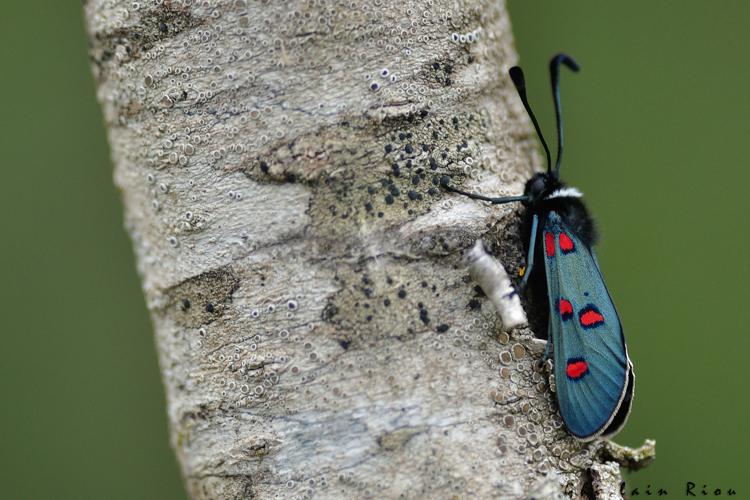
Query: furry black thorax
(571, 209)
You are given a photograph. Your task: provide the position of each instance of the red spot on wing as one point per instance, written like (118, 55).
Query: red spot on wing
(590, 317)
(566, 244)
(566, 309)
(549, 244)
(576, 368)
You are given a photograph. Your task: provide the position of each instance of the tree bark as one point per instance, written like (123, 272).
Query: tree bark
(317, 329)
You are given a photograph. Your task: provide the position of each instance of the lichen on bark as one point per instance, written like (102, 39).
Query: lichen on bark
(317, 331)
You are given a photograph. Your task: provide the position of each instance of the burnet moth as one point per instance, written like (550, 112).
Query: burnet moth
(593, 373)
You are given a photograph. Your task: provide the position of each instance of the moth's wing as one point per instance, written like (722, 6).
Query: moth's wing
(593, 374)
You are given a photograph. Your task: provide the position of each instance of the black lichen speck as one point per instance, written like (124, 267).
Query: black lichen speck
(329, 312)
(423, 315)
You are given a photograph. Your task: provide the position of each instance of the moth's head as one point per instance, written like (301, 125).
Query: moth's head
(540, 186)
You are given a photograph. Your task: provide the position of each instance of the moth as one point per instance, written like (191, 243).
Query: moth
(593, 373)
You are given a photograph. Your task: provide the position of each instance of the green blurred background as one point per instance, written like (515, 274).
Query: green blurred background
(656, 134)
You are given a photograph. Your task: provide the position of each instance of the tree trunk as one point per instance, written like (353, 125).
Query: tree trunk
(318, 332)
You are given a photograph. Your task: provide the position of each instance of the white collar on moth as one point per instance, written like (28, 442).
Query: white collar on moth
(566, 192)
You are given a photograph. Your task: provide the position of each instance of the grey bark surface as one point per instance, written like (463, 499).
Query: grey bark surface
(318, 333)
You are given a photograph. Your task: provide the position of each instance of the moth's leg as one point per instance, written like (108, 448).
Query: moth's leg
(499, 200)
(547, 350)
(530, 256)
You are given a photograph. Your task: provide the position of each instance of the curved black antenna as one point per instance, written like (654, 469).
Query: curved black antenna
(554, 76)
(516, 74)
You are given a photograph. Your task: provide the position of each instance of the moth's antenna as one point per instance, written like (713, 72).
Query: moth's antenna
(516, 74)
(554, 75)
